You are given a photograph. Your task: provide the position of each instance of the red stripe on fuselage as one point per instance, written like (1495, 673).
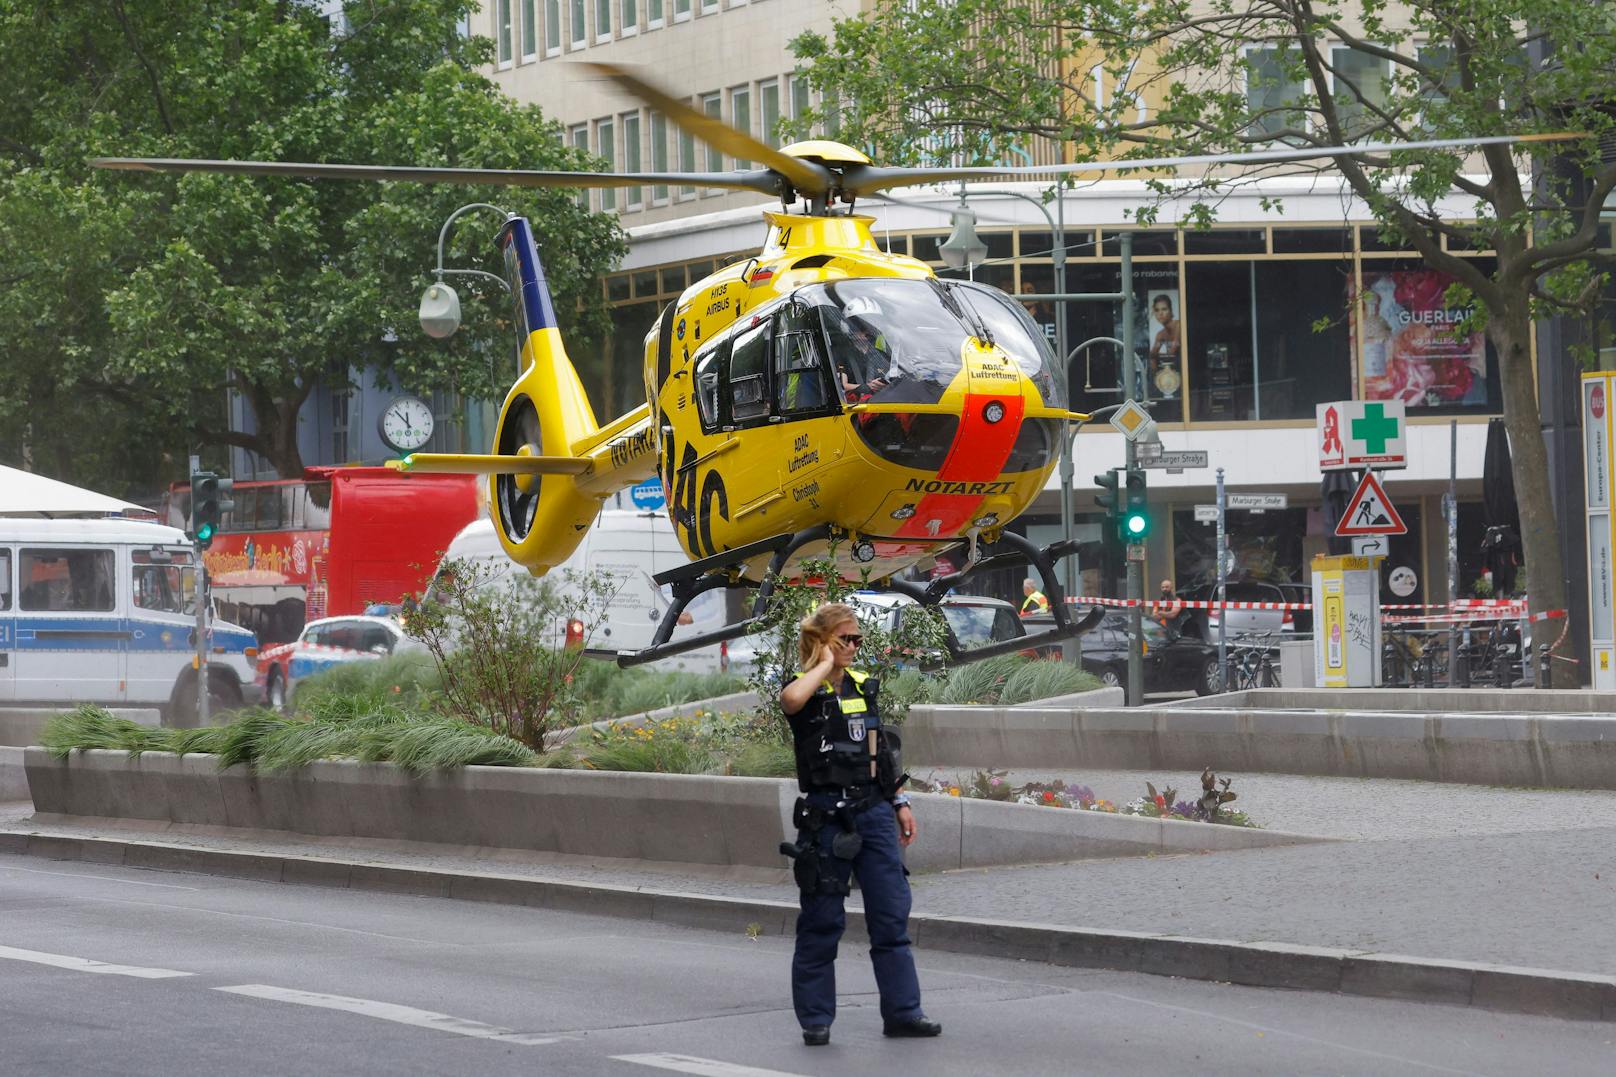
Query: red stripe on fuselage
(979, 453)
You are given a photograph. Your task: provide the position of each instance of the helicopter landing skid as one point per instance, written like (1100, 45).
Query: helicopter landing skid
(709, 574)
(712, 573)
(1021, 552)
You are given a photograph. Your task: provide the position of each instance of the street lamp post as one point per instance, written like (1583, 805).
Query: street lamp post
(440, 306)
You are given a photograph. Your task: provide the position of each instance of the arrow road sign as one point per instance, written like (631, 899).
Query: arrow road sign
(1371, 546)
(1370, 512)
(1178, 459)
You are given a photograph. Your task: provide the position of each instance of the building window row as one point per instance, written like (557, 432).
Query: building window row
(1231, 325)
(643, 139)
(526, 30)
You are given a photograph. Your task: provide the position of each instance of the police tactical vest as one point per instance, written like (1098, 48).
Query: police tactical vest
(831, 737)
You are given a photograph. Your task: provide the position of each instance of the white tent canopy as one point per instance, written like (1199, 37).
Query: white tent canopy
(23, 493)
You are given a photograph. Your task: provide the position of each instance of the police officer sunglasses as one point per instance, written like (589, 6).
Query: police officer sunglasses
(852, 638)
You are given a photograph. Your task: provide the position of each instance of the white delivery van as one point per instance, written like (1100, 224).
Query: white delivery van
(104, 611)
(629, 547)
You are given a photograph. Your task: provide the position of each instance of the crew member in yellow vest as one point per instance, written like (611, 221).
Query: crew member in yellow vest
(1035, 602)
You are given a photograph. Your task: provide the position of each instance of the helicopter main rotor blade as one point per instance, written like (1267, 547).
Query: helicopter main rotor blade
(806, 177)
(867, 179)
(757, 179)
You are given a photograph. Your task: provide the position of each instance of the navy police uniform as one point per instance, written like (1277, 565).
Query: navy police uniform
(846, 825)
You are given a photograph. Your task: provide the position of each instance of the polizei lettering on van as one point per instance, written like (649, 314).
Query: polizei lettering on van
(973, 489)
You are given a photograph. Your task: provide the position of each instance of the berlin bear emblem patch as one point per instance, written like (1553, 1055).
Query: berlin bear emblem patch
(855, 729)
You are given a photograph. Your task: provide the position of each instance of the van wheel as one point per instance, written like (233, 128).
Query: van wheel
(223, 695)
(1111, 677)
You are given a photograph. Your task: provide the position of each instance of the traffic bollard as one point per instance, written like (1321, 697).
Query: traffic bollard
(1500, 666)
(1545, 667)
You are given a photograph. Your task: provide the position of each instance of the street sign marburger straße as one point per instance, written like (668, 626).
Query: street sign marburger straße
(1179, 458)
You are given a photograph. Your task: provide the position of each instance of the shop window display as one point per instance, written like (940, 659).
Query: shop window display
(1414, 345)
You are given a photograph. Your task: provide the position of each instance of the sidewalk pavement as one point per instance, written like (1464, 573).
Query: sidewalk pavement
(1460, 877)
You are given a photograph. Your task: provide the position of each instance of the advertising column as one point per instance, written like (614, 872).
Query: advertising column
(1596, 431)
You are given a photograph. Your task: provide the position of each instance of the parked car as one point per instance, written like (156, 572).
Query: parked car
(976, 621)
(330, 641)
(1203, 623)
(1172, 663)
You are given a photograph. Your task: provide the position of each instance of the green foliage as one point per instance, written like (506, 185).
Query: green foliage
(1045, 679)
(919, 632)
(92, 727)
(498, 649)
(132, 299)
(267, 741)
(409, 679)
(605, 691)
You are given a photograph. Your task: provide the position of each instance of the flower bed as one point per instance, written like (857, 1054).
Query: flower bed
(1056, 793)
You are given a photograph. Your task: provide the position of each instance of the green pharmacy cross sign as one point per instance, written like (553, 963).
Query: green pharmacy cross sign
(1361, 435)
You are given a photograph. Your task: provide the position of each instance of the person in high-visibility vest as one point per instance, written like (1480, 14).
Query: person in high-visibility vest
(1035, 601)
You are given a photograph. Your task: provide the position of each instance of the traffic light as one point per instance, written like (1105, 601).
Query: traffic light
(209, 502)
(1109, 498)
(1134, 525)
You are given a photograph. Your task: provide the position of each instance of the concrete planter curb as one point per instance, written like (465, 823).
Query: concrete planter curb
(712, 821)
(1499, 988)
(1524, 748)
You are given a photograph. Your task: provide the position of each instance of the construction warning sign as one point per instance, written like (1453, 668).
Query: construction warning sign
(1370, 512)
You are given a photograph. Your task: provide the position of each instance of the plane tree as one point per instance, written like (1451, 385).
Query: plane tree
(968, 81)
(146, 297)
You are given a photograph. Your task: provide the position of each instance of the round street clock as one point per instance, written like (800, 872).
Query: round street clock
(406, 423)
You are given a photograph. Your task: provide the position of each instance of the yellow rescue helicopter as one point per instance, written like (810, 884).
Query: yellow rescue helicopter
(821, 399)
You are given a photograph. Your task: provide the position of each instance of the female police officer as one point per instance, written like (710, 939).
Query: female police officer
(851, 818)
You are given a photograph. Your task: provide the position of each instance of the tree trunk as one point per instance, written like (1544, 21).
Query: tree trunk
(277, 431)
(1510, 330)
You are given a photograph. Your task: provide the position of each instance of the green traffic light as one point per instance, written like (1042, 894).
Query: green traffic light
(1137, 524)
(204, 533)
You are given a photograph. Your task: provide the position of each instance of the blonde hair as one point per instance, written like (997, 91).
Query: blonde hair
(818, 628)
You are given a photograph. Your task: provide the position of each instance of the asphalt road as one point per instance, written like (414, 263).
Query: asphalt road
(207, 975)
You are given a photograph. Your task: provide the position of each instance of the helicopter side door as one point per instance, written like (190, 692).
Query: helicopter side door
(807, 387)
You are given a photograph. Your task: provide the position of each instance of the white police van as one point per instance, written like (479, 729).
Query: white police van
(104, 611)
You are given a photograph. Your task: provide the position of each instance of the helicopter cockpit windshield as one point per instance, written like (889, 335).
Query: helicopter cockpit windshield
(902, 341)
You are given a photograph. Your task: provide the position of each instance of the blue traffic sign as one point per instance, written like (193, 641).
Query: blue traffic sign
(647, 494)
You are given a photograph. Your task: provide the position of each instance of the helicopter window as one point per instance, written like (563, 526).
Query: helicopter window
(1017, 334)
(707, 371)
(748, 375)
(799, 364)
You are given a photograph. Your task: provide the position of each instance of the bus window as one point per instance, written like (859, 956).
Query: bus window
(267, 509)
(5, 579)
(66, 581)
(317, 506)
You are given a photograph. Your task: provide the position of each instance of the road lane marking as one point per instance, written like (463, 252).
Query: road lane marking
(84, 964)
(387, 1011)
(705, 1067)
(108, 878)
(1274, 1030)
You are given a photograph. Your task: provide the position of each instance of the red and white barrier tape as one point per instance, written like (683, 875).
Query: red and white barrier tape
(1464, 610)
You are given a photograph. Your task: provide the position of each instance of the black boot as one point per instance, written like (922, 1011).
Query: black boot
(817, 1035)
(915, 1027)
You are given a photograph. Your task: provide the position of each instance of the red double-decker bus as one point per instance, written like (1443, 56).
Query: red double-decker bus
(335, 542)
